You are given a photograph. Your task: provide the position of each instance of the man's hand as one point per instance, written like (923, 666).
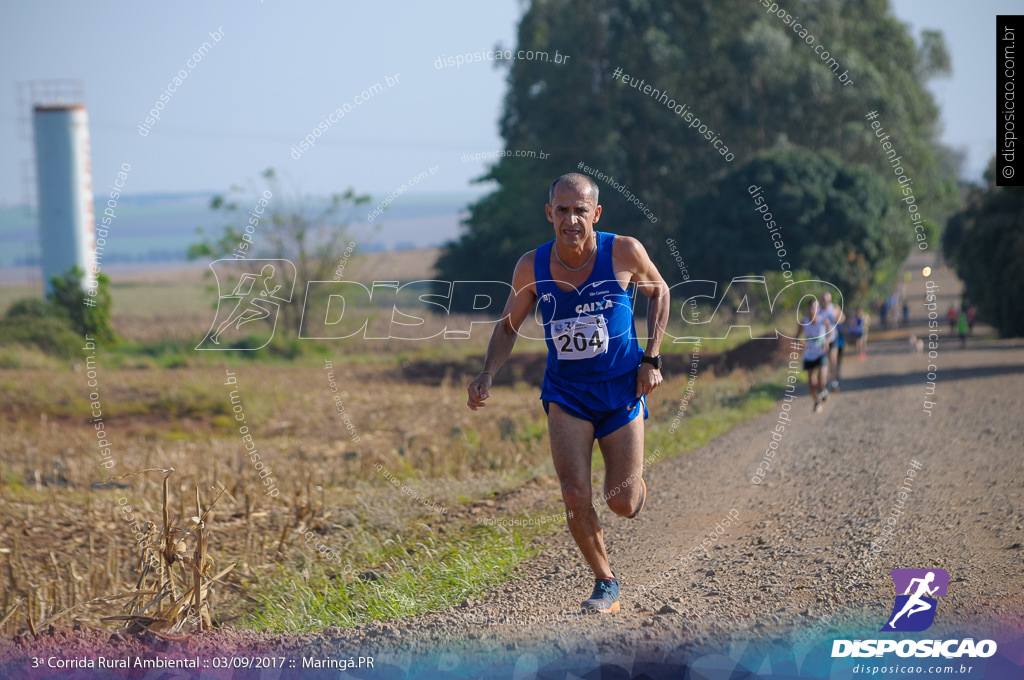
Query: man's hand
(479, 390)
(647, 378)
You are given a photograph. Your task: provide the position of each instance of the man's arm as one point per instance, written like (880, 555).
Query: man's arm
(521, 302)
(634, 259)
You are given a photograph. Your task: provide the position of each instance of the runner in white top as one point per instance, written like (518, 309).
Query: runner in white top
(816, 328)
(835, 317)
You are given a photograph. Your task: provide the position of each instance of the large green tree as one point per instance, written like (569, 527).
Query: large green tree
(744, 73)
(830, 217)
(985, 242)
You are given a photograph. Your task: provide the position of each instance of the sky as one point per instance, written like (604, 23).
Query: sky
(279, 68)
(967, 99)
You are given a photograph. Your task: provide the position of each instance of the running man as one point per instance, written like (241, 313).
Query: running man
(914, 603)
(963, 327)
(597, 377)
(250, 307)
(837, 369)
(817, 328)
(858, 332)
(835, 317)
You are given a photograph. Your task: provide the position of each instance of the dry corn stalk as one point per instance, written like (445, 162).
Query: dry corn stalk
(173, 591)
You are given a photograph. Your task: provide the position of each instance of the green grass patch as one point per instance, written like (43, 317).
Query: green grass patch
(427, 575)
(151, 300)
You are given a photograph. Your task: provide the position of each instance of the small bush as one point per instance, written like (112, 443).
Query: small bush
(50, 335)
(34, 308)
(92, 319)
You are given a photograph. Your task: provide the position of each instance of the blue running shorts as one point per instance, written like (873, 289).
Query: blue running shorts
(607, 405)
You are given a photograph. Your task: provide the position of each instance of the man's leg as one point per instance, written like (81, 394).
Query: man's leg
(816, 385)
(833, 369)
(572, 444)
(623, 452)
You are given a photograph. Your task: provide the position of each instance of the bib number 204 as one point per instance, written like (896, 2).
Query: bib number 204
(579, 342)
(580, 338)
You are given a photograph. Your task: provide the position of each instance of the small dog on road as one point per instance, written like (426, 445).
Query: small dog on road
(916, 345)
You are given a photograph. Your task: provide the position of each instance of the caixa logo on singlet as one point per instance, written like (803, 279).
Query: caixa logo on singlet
(598, 306)
(914, 610)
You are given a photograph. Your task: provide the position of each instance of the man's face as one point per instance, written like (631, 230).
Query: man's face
(573, 213)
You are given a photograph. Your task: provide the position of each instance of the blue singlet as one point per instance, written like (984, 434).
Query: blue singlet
(593, 350)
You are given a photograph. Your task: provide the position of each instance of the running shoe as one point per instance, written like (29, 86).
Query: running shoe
(643, 498)
(817, 408)
(605, 598)
(823, 395)
(833, 386)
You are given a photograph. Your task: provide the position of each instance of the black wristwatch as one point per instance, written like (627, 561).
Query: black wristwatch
(653, 361)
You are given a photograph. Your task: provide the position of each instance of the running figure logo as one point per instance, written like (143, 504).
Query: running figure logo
(914, 610)
(254, 297)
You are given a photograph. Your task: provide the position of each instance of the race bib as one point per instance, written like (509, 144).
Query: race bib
(583, 337)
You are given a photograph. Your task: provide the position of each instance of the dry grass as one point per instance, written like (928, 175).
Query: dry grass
(65, 547)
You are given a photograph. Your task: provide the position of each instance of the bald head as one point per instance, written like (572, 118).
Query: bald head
(580, 183)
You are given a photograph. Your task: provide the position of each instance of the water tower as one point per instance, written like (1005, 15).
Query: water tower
(64, 180)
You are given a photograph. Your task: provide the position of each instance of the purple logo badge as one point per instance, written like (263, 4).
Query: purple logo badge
(916, 590)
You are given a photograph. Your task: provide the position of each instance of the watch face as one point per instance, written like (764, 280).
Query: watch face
(653, 361)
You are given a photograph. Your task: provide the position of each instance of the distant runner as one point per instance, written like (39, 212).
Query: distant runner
(835, 316)
(597, 376)
(837, 370)
(815, 326)
(963, 327)
(858, 334)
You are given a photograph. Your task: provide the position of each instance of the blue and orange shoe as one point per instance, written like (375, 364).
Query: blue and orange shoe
(604, 599)
(643, 499)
